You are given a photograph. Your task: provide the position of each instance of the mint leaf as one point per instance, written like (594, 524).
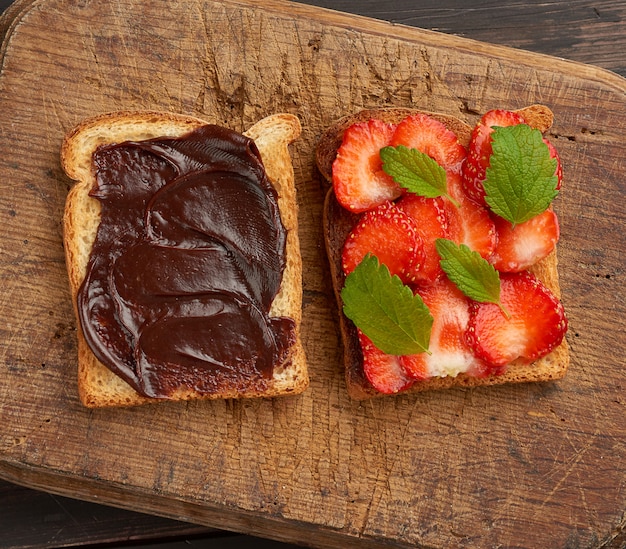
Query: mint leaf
(415, 171)
(520, 182)
(470, 272)
(386, 310)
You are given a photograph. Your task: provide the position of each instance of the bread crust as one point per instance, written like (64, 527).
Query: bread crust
(338, 222)
(97, 385)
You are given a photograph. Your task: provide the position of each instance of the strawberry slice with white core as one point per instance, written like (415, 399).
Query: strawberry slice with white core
(390, 234)
(449, 353)
(383, 371)
(469, 223)
(535, 327)
(480, 150)
(359, 182)
(430, 136)
(521, 246)
(431, 223)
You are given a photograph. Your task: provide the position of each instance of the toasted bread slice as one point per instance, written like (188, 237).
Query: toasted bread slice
(338, 222)
(98, 385)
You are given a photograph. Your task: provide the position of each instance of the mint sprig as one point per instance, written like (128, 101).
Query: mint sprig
(520, 181)
(385, 310)
(415, 171)
(470, 272)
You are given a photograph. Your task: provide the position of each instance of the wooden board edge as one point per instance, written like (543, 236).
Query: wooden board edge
(10, 19)
(269, 525)
(12, 16)
(369, 25)
(242, 521)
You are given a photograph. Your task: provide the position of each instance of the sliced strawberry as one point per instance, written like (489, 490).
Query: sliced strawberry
(449, 352)
(390, 234)
(525, 244)
(469, 223)
(359, 181)
(382, 370)
(415, 366)
(479, 151)
(431, 222)
(559, 169)
(428, 135)
(537, 322)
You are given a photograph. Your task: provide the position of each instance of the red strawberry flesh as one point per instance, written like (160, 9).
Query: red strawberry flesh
(383, 371)
(469, 223)
(390, 234)
(359, 181)
(537, 322)
(430, 136)
(431, 223)
(521, 246)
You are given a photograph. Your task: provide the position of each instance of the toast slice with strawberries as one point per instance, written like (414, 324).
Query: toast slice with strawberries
(369, 372)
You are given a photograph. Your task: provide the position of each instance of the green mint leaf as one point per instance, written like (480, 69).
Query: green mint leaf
(386, 310)
(470, 272)
(520, 182)
(415, 171)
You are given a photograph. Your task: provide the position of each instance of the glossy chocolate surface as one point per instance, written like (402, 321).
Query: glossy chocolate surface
(188, 258)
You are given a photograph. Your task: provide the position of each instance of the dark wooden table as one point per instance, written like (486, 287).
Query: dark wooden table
(580, 30)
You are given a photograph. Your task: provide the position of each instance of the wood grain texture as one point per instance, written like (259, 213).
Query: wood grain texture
(525, 466)
(580, 30)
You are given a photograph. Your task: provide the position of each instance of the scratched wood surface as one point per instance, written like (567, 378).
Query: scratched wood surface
(584, 30)
(527, 466)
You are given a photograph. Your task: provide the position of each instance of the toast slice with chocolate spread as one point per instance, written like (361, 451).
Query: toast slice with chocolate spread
(339, 222)
(98, 385)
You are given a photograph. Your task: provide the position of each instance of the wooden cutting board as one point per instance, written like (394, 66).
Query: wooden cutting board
(527, 466)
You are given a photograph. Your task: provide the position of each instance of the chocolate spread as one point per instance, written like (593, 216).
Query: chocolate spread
(187, 260)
